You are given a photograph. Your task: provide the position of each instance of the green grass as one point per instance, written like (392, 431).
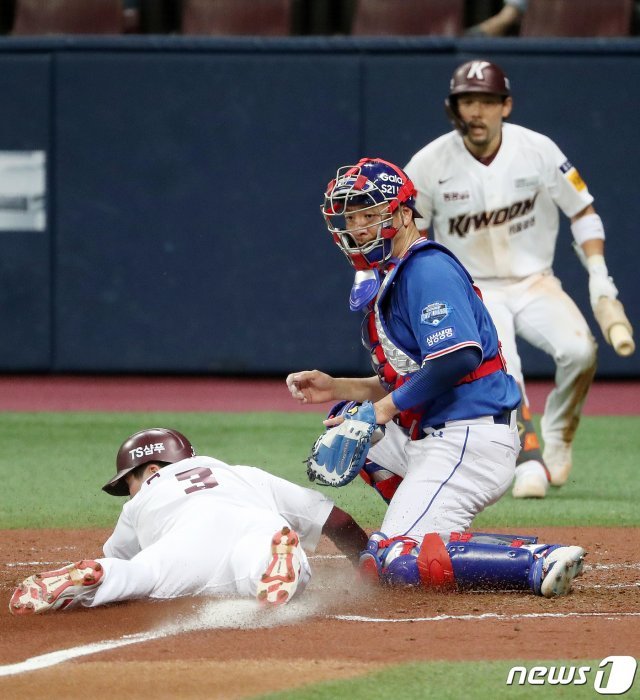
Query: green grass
(445, 681)
(52, 466)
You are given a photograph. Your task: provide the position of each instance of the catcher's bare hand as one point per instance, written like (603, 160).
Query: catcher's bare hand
(311, 386)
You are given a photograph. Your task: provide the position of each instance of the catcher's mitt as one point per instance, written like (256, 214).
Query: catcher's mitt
(339, 453)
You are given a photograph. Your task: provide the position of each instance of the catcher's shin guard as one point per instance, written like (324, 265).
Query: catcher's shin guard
(493, 538)
(484, 566)
(495, 562)
(382, 480)
(445, 566)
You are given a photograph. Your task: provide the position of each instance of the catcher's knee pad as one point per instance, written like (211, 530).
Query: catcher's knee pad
(434, 563)
(491, 565)
(382, 480)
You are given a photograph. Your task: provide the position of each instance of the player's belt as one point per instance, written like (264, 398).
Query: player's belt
(502, 418)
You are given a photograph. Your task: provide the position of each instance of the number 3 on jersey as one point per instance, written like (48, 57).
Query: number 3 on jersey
(200, 477)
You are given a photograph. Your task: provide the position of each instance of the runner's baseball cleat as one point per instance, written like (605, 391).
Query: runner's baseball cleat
(282, 576)
(55, 590)
(561, 565)
(531, 480)
(558, 458)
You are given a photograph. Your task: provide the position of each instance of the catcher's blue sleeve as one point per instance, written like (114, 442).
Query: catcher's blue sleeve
(436, 376)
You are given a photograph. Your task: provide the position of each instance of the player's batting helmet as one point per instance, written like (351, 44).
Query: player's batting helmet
(150, 445)
(369, 183)
(475, 76)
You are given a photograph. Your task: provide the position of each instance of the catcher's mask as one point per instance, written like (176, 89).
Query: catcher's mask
(368, 184)
(474, 76)
(150, 445)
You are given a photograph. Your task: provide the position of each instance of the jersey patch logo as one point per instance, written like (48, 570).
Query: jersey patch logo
(435, 314)
(574, 178)
(456, 196)
(439, 337)
(532, 181)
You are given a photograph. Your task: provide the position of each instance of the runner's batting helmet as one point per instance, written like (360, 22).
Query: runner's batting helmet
(150, 445)
(475, 76)
(369, 183)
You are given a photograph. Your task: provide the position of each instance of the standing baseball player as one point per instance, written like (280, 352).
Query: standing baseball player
(491, 192)
(441, 392)
(195, 526)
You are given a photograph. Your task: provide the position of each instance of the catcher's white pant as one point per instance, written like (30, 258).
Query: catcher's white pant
(538, 310)
(449, 476)
(195, 559)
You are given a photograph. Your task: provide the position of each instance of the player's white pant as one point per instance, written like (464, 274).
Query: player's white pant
(449, 476)
(539, 311)
(194, 560)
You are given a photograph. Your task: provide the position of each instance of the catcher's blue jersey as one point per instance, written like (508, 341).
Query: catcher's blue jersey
(428, 307)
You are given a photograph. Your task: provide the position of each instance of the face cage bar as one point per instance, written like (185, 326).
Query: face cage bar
(336, 224)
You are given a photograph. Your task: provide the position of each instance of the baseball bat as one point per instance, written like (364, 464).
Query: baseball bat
(621, 340)
(615, 326)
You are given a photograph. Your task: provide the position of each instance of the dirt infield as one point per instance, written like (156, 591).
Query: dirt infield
(198, 648)
(226, 649)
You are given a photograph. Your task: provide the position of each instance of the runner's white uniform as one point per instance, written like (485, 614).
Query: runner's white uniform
(202, 527)
(501, 220)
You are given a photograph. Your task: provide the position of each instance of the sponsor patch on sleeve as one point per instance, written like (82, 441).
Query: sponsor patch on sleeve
(573, 176)
(434, 314)
(439, 336)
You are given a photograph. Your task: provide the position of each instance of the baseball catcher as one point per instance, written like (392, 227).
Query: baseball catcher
(442, 393)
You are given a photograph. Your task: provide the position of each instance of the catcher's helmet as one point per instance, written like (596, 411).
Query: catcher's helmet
(150, 445)
(475, 76)
(369, 183)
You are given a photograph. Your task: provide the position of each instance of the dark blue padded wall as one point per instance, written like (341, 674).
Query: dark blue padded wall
(186, 178)
(189, 228)
(25, 270)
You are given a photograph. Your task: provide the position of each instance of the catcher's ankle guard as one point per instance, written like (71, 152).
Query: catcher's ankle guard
(393, 561)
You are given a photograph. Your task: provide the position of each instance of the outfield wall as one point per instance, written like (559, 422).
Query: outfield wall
(184, 178)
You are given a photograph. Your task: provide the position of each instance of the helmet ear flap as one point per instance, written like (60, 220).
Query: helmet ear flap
(451, 110)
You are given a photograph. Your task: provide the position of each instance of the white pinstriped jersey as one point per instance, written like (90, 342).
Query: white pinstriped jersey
(501, 220)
